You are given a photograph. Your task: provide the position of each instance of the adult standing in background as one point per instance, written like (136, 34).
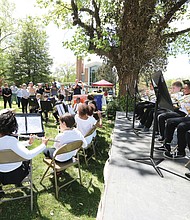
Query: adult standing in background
(47, 89)
(7, 93)
(78, 87)
(31, 89)
(24, 100)
(14, 90)
(19, 95)
(54, 90)
(40, 89)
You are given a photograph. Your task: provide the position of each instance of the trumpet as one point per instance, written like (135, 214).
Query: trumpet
(35, 136)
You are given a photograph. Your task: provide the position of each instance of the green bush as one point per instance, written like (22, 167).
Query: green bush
(119, 104)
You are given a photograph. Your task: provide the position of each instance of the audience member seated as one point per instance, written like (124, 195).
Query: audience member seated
(68, 134)
(179, 111)
(14, 173)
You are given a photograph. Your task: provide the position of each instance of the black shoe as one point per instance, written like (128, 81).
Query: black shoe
(140, 126)
(160, 139)
(187, 175)
(19, 185)
(163, 148)
(2, 193)
(145, 130)
(174, 156)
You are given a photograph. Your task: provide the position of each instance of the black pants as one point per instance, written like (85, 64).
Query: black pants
(24, 103)
(19, 101)
(141, 106)
(188, 139)
(162, 118)
(16, 176)
(183, 125)
(148, 117)
(56, 115)
(7, 99)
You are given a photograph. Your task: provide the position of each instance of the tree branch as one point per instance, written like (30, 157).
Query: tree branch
(6, 36)
(87, 10)
(177, 33)
(163, 23)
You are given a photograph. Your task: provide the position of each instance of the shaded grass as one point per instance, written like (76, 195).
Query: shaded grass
(75, 201)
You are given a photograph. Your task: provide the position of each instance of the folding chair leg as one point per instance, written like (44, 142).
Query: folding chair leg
(94, 150)
(44, 174)
(80, 177)
(86, 161)
(56, 185)
(31, 192)
(187, 164)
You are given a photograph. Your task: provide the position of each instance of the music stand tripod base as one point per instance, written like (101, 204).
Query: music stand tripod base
(150, 161)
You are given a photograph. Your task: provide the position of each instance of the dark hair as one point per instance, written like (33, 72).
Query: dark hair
(90, 110)
(177, 84)
(82, 109)
(8, 123)
(90, 97)
(94, 103)
(188, 84)
(68, 119)
(61, 97)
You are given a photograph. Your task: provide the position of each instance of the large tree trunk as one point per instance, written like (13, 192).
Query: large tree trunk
(127, 78)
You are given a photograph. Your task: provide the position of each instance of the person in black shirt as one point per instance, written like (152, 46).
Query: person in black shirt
(40, 90)
(7, 93)
(77, 87)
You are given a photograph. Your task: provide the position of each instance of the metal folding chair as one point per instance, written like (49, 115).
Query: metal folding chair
(60, 166)
(9, 156)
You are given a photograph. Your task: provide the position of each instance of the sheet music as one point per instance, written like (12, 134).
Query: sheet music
(34, 125)
(21, 125)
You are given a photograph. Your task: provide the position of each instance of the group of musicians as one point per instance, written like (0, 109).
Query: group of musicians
(14, 173)
(168, 121)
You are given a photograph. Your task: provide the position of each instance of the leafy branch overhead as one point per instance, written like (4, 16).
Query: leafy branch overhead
(135, 35)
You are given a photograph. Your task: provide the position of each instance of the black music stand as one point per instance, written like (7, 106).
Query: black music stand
(135, 100)
(33, 102)
(46, 106)
(30, 124)
(127, 104)
(164, 100)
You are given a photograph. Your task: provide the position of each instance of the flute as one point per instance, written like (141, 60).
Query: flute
(35, 136)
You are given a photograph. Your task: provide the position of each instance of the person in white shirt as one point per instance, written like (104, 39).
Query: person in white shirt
(85, 120)
(68, 134)
(24, 100)
(19, 96)
(14, 173)
(14, 90)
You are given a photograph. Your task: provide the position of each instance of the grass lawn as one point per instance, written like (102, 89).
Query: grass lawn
(75, 201)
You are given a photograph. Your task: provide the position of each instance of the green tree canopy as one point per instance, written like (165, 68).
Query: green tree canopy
(7, 31)
(135, 35)
(29, 60)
